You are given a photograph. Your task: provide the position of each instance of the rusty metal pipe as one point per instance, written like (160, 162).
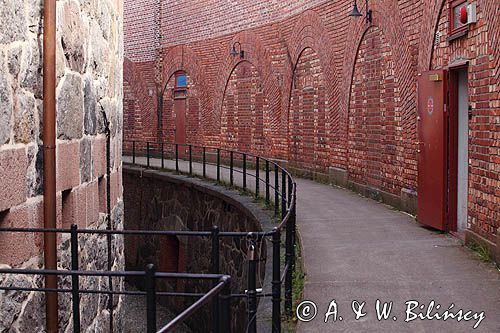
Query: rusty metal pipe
(49, 158)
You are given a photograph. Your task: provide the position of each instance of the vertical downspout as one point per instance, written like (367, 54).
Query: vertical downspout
(49, 159)
(109, 225)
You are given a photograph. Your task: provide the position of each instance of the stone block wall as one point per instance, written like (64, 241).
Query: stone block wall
(89, 86)
(338, 93)
(161, 201)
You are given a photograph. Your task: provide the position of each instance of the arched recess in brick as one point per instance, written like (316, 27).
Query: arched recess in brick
(256, 54)
(184, 59)
(404, 73)
(375, 132)
(308, 147)
(309, 32)
(193, 117)
(430, 19)
(245, 113)
(139, 107)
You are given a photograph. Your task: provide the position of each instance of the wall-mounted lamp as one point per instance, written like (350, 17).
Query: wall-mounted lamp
(355, 12)
(235, 53)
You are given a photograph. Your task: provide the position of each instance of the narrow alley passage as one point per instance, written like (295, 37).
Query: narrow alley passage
(358, 250)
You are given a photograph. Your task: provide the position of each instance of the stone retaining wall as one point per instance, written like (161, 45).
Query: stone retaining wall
(157, 200)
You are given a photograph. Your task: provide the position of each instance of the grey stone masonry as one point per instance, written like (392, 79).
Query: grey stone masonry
(89, 58)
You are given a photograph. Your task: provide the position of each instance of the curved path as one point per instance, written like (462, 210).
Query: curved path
(356, 249)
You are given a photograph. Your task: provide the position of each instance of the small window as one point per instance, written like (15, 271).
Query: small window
(180, 90)
(456, 28)
(180, 81)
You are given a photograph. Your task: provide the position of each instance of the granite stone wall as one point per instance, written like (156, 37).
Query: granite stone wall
(89, 90)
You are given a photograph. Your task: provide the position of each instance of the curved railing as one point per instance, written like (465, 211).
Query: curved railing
(222, 165)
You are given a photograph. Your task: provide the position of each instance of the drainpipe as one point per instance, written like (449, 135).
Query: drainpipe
(109, 225)
(49, 158)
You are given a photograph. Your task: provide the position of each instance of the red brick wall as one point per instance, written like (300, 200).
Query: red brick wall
(140, 29)
(359, 115)
(375, 137)
(243, 111)
(308, 108)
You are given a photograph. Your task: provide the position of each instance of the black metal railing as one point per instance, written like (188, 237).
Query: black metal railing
(184, 159)
(171, 156)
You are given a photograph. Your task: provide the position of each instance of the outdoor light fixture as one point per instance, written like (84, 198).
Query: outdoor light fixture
(355, 12)
(234, 51)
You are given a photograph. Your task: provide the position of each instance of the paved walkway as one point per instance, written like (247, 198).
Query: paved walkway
(356, 249)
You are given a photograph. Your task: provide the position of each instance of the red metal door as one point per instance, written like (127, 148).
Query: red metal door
(432, 149)
(180, 125)
(180, 120)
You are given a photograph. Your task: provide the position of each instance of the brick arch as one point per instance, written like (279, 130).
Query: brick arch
(431, 14)
(245, 116)
(144, 106)
(182, 58)
(257, 54)
(405, 73)
(392, 27)
(307, 123)
(493, 21)
(374, 118)
(310, 32)
(191, 107)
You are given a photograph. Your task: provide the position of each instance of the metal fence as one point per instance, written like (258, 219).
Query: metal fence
(149, 155)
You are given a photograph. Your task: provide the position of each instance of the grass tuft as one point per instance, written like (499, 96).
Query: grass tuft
(481, 250)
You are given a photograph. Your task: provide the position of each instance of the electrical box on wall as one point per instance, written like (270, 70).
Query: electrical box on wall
(471, 13)
(468, 14)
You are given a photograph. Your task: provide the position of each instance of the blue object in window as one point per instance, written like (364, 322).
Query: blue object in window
(181, 81)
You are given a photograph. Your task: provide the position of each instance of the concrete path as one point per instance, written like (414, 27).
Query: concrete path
(357, 250)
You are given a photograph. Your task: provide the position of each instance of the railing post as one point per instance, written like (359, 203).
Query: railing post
(162, 155)
(75, 283)
(294, 227)
(231, 168)
(215, 270)
(147, 153)
(290, 189)
(283, 194)
(150, 283)
(244, 171)
(257, 176)
(133, 152)
(252, 286)
(190, 160)
(218, 165)
(204, 162)
(267, 182)
(276, 282)
(276, 190)
(225, 300)
(177, 157)
(289, 264)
